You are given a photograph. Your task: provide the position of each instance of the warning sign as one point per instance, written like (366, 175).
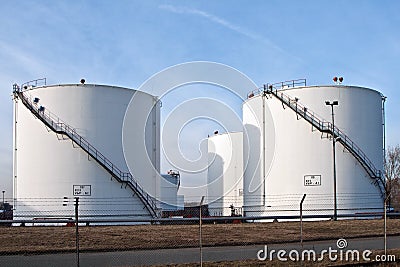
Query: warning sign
(312, 180)
(82, 190)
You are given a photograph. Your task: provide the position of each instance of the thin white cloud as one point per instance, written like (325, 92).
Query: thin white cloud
(21, 58)
(222, 22)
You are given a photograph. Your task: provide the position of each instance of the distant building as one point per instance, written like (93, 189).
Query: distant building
(6, 211)
(191, 210)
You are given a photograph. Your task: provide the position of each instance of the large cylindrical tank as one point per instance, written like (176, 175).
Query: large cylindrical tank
(288, 157)
(49, 170)
(225, 174)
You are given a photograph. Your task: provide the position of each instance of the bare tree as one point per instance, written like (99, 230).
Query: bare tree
(392, 174)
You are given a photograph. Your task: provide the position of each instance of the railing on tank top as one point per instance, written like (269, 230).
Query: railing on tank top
(321, 125)
(34, 83)
(58, 126)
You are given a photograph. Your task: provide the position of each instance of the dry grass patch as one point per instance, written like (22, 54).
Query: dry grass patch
(111, 238)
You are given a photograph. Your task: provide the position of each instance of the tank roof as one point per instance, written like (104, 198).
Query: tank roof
(30, 86)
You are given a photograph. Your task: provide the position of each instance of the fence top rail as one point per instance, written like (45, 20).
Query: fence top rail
(196, 219)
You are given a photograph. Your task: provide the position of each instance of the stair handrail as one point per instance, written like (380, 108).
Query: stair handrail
(59, 126)
(326, 126)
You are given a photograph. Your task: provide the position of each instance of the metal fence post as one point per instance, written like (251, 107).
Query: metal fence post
(200, 233)
(77, 231)
(301, 220)
(385, 222)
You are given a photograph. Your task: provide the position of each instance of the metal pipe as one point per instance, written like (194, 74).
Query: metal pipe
(15, 145)
(264, 148)
(384, 142)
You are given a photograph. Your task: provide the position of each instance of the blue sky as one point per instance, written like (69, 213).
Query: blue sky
(125, 42)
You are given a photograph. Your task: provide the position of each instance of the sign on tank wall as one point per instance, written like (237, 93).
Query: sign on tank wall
(312, 180)
(82, 190)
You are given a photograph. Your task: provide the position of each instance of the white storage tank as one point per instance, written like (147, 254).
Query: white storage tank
(50, 170)
(170, 184)
(288, 157)
(225, 174)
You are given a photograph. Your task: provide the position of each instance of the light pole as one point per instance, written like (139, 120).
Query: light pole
(333, 103)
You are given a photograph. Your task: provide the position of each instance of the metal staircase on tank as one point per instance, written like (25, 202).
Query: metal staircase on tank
(324, 127)
(59, 127)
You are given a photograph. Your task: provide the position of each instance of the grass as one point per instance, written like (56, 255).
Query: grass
(25, 240)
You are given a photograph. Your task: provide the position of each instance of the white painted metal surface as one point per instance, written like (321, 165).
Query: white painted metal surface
(48, 167)
(141, 141)
(169, 191)
(225, 174)
(298, 158)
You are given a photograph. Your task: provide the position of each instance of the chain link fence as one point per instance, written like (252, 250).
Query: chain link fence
(64, 232)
